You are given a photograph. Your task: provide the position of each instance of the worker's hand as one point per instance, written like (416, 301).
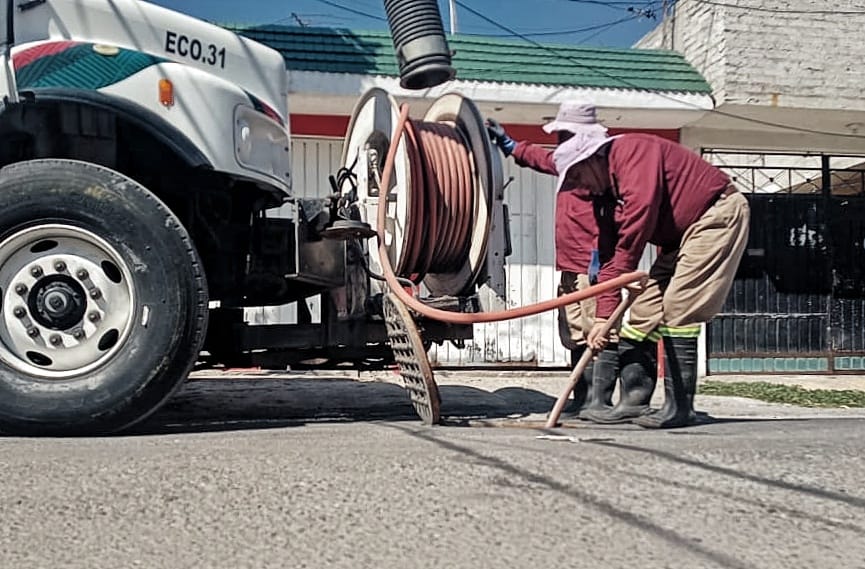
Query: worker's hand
(638, 287)
(597, 340)
(500, 137)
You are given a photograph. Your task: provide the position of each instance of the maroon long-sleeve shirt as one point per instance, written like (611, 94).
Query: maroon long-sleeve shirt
(662, 188)
(576, 225)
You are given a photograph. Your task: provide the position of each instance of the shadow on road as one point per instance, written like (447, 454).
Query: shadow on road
(260, 403)
(683, 461)
(263, 402)
(585, 498)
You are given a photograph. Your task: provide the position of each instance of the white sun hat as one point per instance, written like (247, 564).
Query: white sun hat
(576, 117)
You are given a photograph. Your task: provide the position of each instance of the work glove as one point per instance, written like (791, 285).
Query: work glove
(594, 267)
(499, 137)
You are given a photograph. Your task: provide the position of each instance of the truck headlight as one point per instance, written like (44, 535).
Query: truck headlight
(261, 144)
(244, 140)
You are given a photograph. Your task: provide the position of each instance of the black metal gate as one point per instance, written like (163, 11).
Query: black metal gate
(798, 301)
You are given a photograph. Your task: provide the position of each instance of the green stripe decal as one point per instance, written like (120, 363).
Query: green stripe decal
(655, 336)
(680, 332)
(81, 67)
(631, 333)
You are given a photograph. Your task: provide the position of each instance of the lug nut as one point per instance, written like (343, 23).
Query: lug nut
(95, 293)
(82, 274)
(56, 340)
(36, 271)
(33, 332)
(19, 312)
(94, 317)
(21, 289)
(59, 266)
(78, 333)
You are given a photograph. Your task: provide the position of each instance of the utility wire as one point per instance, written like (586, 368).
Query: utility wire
(600, 27)
(641, 13)
(627, 83)
(353, 11)
(617, 5)
(646, 8)
(607, 27)
(296, 17)
(582, 41)
(305, 20)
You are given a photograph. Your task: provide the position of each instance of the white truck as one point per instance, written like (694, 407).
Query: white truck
(144, 154)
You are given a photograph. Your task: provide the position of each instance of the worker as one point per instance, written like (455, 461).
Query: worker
(668, 196)
(578, 253)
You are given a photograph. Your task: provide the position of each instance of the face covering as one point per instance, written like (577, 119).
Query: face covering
(578, 147)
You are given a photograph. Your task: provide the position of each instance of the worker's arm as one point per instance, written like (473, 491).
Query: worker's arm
(638, 172)
(535, 157)
(525, 154)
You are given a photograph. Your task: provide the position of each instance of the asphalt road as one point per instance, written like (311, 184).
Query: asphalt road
(205, 485)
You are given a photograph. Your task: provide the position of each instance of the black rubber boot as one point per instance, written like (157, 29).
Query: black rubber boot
(581, 390)
(604, 372)
(680, 384)
(639, 364)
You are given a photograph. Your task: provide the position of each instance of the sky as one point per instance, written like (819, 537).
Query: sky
(598, 23)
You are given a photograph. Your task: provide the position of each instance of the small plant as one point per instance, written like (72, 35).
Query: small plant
(787, 394)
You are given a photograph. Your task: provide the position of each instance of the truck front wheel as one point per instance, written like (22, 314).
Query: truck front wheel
(104, 302)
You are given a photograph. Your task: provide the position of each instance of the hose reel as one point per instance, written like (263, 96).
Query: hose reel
(446, 174)
(427, 186)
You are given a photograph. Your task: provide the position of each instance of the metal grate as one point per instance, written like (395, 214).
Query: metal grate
(791, 173)
(798, 301)
(411, 358)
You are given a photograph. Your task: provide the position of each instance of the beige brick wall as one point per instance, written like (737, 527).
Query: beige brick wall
(805, 60)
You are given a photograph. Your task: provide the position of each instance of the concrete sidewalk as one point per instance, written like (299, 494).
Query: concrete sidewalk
(855, 382)
(552, 382)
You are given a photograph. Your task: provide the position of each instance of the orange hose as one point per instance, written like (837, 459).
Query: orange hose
(463, 317)
(440, 199)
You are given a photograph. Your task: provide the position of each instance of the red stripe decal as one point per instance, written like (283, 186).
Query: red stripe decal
(31, 54)
(319, 125)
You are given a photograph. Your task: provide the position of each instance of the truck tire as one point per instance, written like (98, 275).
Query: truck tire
(104, 302)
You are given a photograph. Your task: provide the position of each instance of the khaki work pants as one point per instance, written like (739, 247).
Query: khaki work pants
(689, 286)
(576, 320)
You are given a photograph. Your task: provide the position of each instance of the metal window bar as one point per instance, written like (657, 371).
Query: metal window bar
(798, 302)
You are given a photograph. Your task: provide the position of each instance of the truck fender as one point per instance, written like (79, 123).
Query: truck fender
(147, 120)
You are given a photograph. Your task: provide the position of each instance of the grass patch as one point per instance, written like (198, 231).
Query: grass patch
(789, 394)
